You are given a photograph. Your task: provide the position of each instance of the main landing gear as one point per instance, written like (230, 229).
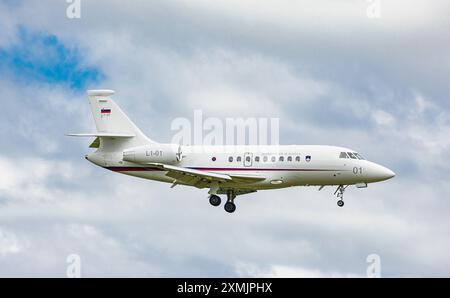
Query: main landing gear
(229, 206)
(340, 195)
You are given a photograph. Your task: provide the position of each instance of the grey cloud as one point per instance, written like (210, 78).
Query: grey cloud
(327, 80)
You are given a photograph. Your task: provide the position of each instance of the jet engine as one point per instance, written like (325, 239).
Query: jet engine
(154, 153)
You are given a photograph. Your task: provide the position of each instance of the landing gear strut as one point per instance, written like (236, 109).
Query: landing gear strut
(340, 195)
(230, 207)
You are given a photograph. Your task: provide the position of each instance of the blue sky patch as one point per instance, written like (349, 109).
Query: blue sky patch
(41, 57)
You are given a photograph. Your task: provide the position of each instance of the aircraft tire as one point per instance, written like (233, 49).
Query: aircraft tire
(215, 200)
(230, 207)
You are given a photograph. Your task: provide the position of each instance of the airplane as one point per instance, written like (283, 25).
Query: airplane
(224, 170)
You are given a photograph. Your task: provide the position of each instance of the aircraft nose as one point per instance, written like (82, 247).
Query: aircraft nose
(387, 173)
(381, 173)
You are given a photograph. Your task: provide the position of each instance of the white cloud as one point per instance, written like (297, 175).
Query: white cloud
(9, 243)
(322, 15)
(28, 178)
(289, 272)
(383, 118)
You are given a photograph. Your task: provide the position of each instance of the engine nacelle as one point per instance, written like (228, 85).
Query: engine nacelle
(159, 153)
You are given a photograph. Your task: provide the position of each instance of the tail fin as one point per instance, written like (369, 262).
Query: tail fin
(111, 121)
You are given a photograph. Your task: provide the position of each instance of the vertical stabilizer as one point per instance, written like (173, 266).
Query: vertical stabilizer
(110, 119)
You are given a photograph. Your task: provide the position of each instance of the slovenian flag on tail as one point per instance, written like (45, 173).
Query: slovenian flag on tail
(105, 111)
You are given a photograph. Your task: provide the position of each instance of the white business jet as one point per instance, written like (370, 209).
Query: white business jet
(230, 170)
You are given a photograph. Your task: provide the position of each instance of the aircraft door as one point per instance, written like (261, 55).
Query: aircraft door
(248, 158)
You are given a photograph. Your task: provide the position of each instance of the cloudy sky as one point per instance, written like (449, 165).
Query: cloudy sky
(332, 73)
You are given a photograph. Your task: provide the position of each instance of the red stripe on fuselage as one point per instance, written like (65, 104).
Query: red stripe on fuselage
(144, 169)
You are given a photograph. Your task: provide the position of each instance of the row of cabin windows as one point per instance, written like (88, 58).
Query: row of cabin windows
(265, 158)
(352, 155)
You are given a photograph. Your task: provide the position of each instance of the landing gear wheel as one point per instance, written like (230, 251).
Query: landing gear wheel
(215, 200)
(230, 207)
(340, 203)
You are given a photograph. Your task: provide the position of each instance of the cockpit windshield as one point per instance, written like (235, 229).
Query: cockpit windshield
(358, 155)
(352, 155)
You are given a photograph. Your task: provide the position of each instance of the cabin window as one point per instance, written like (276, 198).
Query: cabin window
(289, 158)
(230, 159)
(248, 159)
(214, 158)
(343, 155)
(297, 158)
(238, 159)
(273, 159)
(265, 158)
(257, 158)
(281, 158)
(351, 155)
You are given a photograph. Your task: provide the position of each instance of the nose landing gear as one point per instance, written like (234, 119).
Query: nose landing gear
(340, 195)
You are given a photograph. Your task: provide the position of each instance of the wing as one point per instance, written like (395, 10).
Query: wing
(102, 134)
(244, 178)
(202, 179)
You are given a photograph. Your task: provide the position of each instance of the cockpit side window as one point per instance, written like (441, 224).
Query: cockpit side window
(351, 155)
(343, 155)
